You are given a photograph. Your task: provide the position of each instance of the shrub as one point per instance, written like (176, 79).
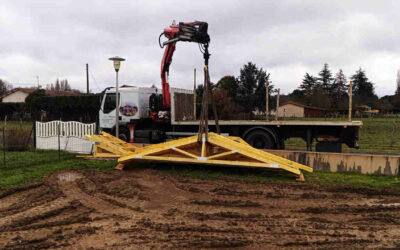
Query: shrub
(17, 139)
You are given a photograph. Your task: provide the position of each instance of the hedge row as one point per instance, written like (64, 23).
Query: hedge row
(83, 108)
(13, 111)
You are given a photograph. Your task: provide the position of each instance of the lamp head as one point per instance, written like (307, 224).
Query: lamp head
(117, 62)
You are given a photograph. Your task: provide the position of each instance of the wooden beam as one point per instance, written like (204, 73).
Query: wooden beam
(184, 152)
(221, 155)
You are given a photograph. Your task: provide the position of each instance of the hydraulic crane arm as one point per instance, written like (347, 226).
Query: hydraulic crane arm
(188, 32)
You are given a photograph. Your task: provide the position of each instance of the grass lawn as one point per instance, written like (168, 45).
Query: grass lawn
(376, 135)
(31, 166)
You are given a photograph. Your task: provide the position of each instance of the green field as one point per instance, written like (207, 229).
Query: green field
(376, 135)
(31, 166)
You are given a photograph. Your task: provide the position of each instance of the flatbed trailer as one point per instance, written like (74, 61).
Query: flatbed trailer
(329, 135)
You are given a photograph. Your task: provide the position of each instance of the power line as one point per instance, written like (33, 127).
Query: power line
(95, 82)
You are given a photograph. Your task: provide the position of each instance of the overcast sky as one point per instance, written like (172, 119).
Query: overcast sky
(55, 39)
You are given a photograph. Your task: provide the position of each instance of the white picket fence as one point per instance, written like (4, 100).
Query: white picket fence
(70, 136)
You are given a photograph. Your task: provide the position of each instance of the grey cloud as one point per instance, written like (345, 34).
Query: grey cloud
(56, 38)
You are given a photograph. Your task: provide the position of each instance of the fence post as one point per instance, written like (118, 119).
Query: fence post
(59, 144)
(267, 102)
(4, 146)
(277, 104)
(34, 134)
(4, 141)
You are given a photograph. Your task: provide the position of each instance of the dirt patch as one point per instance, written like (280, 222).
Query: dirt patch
(226, 190)
(150, 209)
(227, 203)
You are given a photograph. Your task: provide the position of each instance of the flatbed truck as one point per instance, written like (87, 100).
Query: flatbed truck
(136, 122)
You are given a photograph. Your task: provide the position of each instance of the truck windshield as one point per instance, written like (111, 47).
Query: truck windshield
(109, 103)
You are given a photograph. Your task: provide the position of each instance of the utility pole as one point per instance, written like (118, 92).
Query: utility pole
(194, 96)
(267, 102)
(87, 78)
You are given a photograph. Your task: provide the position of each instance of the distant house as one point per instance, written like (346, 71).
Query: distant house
(17, 95)
(292, 109)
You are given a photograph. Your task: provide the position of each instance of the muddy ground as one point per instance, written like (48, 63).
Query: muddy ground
(147, 208)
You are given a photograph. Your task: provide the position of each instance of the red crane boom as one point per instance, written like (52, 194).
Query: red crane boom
(188, 32)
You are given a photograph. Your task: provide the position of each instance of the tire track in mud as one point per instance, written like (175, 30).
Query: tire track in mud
(14, 204)
(149, 209)
(35, 212)
(71, 190)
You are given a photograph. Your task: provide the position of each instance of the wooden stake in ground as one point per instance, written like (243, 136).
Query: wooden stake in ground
(4, 142)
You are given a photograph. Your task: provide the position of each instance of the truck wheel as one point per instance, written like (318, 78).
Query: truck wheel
(260, 139)
(124, 134)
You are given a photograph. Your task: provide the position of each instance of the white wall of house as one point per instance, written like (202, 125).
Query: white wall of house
(17, 96)
(290, 110)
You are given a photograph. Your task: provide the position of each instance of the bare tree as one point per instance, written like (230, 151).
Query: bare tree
(67, 86)
(4, 87)
(57, 86)
(62, 85)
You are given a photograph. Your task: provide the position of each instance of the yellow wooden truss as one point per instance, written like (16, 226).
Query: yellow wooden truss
(108, 146)
(218, 150)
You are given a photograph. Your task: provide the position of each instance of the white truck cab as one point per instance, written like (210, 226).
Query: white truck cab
(133, 105)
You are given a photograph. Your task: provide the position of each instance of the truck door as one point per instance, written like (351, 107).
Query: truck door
(107, 112)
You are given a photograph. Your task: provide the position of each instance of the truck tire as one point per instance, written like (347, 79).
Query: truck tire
(260, 139)
(124, 134)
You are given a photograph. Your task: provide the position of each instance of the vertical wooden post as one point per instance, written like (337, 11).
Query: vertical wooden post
(34, 133)
(267, 102)
(277, 104)
(59, 141)
(87, 78)
(194, 96)
(4, 142)
(350, 99)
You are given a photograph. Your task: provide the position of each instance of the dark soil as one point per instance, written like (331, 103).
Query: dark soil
(150, 209)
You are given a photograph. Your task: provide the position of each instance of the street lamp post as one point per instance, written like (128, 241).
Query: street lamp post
(117, 64)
